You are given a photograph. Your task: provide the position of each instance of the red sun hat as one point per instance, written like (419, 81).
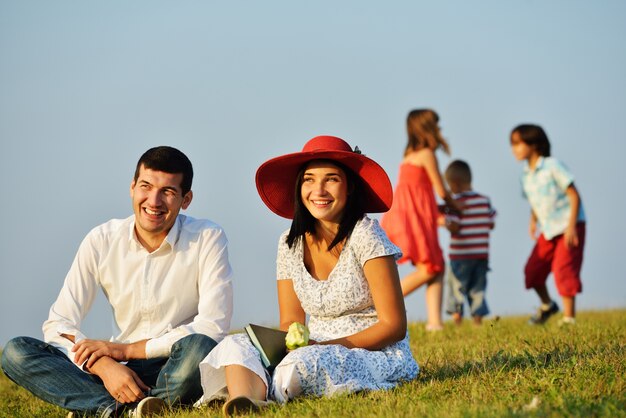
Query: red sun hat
(276, 178)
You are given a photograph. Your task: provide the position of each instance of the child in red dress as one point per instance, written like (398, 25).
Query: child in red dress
(411, 223)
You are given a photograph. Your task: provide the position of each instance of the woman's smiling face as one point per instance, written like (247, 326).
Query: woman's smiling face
(324, 191)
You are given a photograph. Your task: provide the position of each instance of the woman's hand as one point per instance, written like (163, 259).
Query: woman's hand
(311, 342)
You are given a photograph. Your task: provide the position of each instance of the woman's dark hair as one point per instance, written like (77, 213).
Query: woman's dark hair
(354, 210)
(169, 160)
(535, 137)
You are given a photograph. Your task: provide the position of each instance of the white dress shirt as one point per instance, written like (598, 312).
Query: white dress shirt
(183, 287)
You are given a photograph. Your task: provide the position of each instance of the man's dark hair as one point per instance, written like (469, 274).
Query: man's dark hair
(169, 160)
(354, 210)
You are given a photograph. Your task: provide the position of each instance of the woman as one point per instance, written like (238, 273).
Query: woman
(336, 266)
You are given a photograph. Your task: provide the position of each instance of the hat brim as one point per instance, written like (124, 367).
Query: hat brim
(276, 180)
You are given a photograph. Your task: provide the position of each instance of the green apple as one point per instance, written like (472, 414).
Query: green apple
(297, 336)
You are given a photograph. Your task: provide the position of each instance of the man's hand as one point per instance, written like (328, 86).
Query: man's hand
(92, 350)
(121, 382)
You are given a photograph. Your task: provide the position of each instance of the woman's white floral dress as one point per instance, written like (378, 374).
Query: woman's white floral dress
(339, 306)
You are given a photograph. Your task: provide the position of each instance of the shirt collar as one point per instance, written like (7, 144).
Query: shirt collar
(171, 239)
(131, 233)
(538, 166)
(174, 234)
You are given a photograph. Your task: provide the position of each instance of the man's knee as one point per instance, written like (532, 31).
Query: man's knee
(194, 346)
(179, 381)
(16, 352)
(189, 352)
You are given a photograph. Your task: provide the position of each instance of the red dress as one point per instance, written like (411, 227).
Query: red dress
(411, 223)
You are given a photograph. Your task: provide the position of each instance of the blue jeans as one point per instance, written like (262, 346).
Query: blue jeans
(467, 279)
(50, 375)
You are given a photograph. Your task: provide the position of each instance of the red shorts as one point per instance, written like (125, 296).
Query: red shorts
(554, 256)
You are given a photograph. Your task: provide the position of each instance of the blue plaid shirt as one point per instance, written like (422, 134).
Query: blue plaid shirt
(544, 187)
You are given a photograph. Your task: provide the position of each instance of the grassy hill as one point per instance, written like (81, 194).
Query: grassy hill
(504, 368)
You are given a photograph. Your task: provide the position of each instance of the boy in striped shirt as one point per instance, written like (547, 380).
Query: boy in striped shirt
(469, 245)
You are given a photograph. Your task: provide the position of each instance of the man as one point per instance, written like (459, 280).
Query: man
(168, 280)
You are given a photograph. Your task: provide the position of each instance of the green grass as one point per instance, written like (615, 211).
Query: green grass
(490, 371)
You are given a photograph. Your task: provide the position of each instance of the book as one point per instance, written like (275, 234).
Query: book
(270, 342)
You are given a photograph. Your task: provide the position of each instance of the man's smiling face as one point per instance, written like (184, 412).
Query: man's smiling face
(157, 199)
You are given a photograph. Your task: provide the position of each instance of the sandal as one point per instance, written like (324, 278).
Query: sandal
(242, 405)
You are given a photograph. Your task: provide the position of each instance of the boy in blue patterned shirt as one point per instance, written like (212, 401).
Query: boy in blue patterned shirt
(557, 209)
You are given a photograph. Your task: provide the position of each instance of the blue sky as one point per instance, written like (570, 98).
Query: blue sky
(88, 86)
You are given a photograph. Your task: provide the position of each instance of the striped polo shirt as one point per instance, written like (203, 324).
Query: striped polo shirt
(476, 221)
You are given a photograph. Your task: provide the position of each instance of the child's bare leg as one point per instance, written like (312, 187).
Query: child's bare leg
(242, 381)
(434, 296)
(458, 319)
(416, 279)
(547, 309)
(542, 292)
(569, 306)
(478, 320)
